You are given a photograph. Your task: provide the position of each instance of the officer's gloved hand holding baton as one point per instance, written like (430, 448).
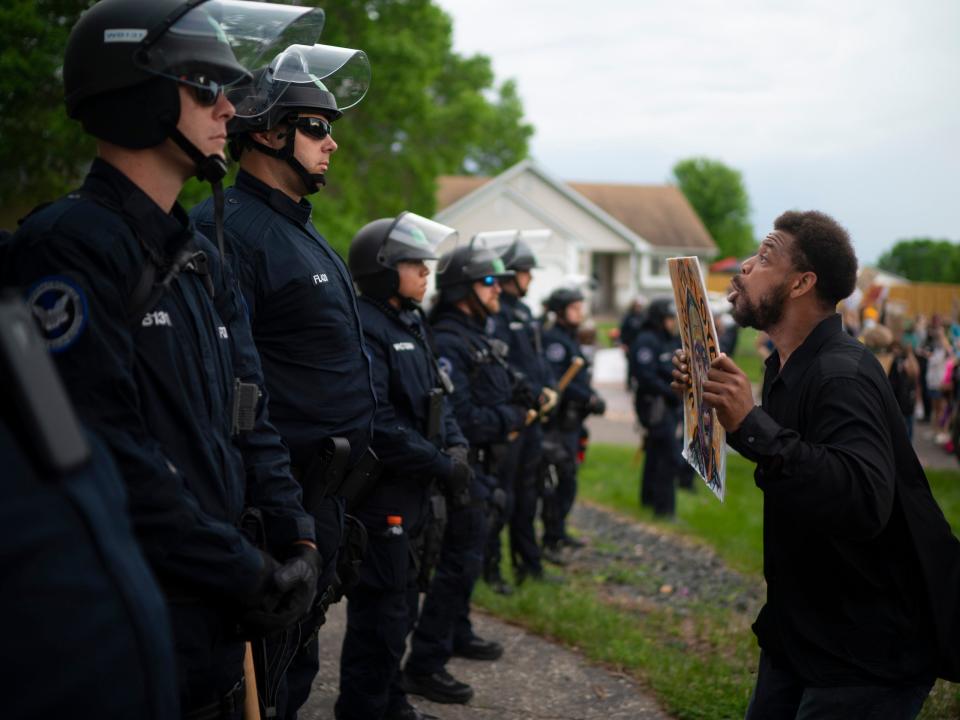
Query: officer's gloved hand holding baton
(457, 484)
(596, 405)
(286, 592)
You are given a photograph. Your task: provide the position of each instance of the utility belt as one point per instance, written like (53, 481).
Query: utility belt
(223, 709)
(426, 546)
(326, 475)
(488, 457)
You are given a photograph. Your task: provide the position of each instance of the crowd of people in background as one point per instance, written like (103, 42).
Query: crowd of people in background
(920, 355)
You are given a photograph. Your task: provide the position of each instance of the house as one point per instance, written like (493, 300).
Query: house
(618, 235)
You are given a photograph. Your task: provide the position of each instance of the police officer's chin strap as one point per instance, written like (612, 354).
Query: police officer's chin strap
(312, 182)
(474, 300)
(211, 169)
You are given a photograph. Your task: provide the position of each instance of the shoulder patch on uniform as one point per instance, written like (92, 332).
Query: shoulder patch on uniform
(644, 356)
(555, 352)
(445, 364)
(60, 308)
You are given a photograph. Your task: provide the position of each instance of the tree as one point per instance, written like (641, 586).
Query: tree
(429, 112)
(923, 259)
(42, 152)
(720, 198)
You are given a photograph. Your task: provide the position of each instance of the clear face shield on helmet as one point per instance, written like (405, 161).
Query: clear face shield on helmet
(221, 40)
(413, 237)
(341, 74)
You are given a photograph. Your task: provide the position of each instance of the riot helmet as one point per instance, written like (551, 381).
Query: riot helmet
(125, 58)
(659, 310)
(379, 246)
(560, 298)
(466, 265)
(303, 79)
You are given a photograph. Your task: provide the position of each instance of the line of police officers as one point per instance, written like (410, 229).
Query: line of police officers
(274, 429)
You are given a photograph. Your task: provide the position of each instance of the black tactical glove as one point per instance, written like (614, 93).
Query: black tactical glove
(596, 405)
(456, 486)
(459, 452)
(498, 500)
(523, 395)
(286, 592)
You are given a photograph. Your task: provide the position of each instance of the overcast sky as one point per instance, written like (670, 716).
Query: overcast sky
(846, 106)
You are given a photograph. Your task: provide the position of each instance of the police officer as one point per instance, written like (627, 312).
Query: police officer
(468, 281)
(657, 406)
(67, 551)
(565, 314)
(121, 285)
(517, 328)
(298, 293)
(413, 427)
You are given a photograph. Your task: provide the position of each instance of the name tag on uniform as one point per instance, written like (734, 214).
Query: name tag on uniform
(517, 326)
(320, 278)
(400, 346)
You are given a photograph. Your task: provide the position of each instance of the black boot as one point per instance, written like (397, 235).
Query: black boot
(441, 687)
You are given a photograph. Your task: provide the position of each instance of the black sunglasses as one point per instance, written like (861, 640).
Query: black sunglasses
(316, 127)
(205, 89)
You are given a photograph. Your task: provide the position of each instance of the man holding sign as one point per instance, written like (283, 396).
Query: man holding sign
(863, 573)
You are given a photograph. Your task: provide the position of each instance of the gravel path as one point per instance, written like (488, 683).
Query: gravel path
(643, 565)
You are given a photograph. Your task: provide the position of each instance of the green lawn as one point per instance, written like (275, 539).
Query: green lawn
(699, 665)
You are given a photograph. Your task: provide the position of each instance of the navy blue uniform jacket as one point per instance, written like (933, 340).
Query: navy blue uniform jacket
(303, 311)
(516, 326)
(403, 375)
(482, 386)
(158, 390)
(560, 347)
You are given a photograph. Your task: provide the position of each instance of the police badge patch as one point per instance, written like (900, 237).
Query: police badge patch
(445, 365)
(60, 309)
(556, 352)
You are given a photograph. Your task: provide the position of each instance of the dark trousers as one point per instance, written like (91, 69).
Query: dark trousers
(781, 695)
(209, 659)
(555, 523)
(445, 616)
(378, 622)
(382, 607)
(504, 476)
(660, 466)
(294, 686)
(524, 550)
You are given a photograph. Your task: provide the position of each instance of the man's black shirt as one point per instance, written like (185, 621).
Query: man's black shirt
(849, 522)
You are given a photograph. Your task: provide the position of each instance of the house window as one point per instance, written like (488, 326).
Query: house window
(657, 265)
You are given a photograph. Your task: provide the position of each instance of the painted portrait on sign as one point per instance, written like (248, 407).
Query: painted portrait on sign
(704, 439)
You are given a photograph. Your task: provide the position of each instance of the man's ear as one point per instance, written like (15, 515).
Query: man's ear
(271, 138)
(804, 284)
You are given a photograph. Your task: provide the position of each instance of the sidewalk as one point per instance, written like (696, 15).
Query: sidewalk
(534, 680)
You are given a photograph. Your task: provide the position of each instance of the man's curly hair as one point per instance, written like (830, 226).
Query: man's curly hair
(821, 246)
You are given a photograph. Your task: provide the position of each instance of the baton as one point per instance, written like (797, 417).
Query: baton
(251, 705)
(575, 366)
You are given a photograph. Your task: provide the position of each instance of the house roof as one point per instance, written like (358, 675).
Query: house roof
(660, 214)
